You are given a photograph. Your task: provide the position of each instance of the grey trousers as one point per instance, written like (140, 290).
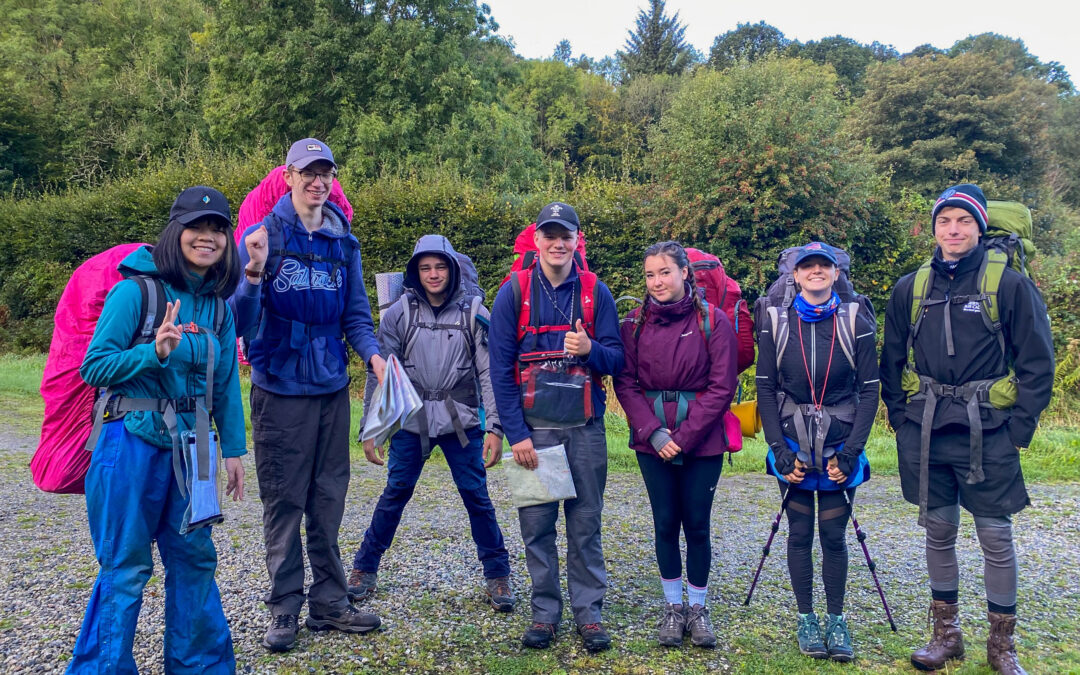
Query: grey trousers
(302, 461)
(586, 451)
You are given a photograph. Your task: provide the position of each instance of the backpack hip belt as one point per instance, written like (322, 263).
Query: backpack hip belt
(975, 394)
(802, 414)
(464, 393)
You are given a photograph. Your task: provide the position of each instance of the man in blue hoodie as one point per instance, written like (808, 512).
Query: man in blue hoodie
(572, 332)
(302, 296)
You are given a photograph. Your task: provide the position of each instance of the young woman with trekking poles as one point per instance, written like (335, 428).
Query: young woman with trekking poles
(678, 381)
(152, 476)
(817, 384)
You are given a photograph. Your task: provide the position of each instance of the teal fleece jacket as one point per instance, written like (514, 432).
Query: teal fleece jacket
(137, 372)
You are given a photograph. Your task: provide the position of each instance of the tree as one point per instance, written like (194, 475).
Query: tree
(938, 121)
(1011, 52)
(657, 46)
(847, 57)
(749, 160)
(747, 43)
(563, 51)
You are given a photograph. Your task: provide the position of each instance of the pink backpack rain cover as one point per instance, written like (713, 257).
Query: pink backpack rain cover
(61, 460)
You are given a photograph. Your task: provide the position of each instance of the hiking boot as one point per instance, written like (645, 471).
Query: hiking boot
(811, 642)
(539, 635)
(1000, 647)
(947, 642)
(672, 626)
(594, 636)
(699, 627)
(838, 639)
(361, 585)
(281, 635)
(499, 594)
(348, 620)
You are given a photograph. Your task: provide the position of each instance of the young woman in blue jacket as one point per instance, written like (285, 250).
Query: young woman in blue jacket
(134, 495)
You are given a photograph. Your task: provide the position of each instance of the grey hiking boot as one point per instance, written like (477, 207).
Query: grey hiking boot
(500, 595)
(347, 620)
(361, 585)
(594, 636)
(699, 627)
(672, 626)
(281, 636)
(811, 642)
(539, 635)
(838, 638)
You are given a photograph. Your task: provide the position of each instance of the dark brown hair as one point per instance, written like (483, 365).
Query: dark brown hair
(675, 251)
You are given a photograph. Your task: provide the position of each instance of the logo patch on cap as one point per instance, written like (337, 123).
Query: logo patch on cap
(812, 247)
(555, 209)
(314, 147)
(206, 199)
(948, 193)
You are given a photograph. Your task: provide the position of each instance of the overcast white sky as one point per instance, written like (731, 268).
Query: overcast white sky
(1049, 28)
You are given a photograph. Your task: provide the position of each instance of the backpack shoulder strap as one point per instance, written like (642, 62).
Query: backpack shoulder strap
(778, 318)
(587, 288)
(990, 273)
(706, 321)
(920, 291)
(410, 308)
(521, 286)
(845, 326)
(152, 313)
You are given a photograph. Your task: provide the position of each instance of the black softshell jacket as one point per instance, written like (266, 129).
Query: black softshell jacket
(977, 353)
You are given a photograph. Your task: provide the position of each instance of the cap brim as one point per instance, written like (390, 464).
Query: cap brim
(827, 258)
(305, 162)
(558, 221)
(192, 216)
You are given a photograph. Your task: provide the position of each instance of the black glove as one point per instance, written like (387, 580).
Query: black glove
(785, 459)
(847, 459)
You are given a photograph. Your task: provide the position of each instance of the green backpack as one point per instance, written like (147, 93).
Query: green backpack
(1009, 230)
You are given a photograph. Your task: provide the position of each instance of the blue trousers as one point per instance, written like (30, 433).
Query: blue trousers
(470, 476)
(132, 499)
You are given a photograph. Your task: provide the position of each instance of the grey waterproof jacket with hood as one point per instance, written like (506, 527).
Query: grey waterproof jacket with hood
(442, 358)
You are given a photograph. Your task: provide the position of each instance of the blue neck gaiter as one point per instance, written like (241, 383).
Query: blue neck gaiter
(814, 313)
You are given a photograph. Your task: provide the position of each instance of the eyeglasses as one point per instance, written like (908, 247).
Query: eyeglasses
(308, 176)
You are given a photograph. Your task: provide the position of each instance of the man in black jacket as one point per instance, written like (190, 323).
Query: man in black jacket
(963, 408)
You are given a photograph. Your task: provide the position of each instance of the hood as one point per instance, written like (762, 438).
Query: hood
(438, 245)
(336, 224)
(139, 261)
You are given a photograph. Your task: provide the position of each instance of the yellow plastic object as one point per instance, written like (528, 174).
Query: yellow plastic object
(749, 419)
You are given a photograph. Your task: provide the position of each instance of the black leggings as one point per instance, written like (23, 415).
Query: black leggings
(833, 514)
(681, 496)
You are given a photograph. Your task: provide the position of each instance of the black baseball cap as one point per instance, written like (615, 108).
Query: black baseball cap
(558, 213)
(196, 203)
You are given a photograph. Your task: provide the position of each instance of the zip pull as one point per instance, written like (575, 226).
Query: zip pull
(309, 236)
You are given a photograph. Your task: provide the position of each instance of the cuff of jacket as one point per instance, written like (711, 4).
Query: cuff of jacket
(1020, 434)
(659, 438)
(847, 459)
(784, 459)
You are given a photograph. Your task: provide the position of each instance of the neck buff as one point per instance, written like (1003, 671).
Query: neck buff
(814, 313)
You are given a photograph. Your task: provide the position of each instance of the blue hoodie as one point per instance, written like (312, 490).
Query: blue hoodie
(297, 318)
(137, 372)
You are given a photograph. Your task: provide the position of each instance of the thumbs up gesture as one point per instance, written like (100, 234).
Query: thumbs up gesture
(577, 341)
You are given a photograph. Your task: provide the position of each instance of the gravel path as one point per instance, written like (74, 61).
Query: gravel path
(431, 601)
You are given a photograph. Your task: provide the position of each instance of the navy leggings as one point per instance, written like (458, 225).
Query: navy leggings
(833, 513)
(681, 496)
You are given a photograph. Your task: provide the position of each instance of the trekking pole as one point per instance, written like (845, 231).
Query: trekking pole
(768, 545)
(861, 536)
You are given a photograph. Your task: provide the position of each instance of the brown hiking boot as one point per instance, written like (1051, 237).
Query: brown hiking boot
(500, 595)
(1000, 647)
(361, 585)
(699, 627)
(947, 642)
(672, 626)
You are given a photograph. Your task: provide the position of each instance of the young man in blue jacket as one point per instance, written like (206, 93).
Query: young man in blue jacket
(571, 314)
(302, 296)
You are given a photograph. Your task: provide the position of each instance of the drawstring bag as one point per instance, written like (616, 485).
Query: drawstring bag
(201, 480)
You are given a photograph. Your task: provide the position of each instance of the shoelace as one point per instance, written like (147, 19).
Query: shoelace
(543, 626)
(590, 627)
(670, 619)
(284, 621)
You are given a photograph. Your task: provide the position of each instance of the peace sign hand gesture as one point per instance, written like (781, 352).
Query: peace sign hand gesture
(168, 333)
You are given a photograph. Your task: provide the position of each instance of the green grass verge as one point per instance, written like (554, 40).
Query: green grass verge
(1054, 455)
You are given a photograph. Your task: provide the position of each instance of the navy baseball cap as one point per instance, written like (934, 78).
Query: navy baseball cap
(196, 203)
(815, 249)
(558, 213)
(308, 150)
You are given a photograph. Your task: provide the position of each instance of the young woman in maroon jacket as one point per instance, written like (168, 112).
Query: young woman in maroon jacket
(677, 383)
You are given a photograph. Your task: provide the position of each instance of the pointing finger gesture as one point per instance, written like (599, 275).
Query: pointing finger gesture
(169, 333)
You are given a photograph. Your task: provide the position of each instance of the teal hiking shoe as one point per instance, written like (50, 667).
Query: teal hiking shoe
(811, 642)
(838, 638)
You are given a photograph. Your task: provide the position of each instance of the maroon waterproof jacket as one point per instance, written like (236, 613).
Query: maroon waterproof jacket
(670, 353)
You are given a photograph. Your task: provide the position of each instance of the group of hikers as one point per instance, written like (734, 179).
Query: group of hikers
(963, 392)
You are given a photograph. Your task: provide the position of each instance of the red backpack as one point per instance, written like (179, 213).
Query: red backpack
(722, 291)
(525, 252)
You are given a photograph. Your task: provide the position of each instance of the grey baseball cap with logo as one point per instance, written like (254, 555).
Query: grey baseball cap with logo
(308, 150)
(558, 213)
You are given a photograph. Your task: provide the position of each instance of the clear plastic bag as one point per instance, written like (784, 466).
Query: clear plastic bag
(394, 403)
(556, 390)
(550, 481)
(203, 484)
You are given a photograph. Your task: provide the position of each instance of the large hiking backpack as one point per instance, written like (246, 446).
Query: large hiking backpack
(61, 460)
(771, 309)
(1009, 230)
(261, 200)
(722, 291)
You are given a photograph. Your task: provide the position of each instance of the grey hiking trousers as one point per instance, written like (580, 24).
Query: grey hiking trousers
(586, 451)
